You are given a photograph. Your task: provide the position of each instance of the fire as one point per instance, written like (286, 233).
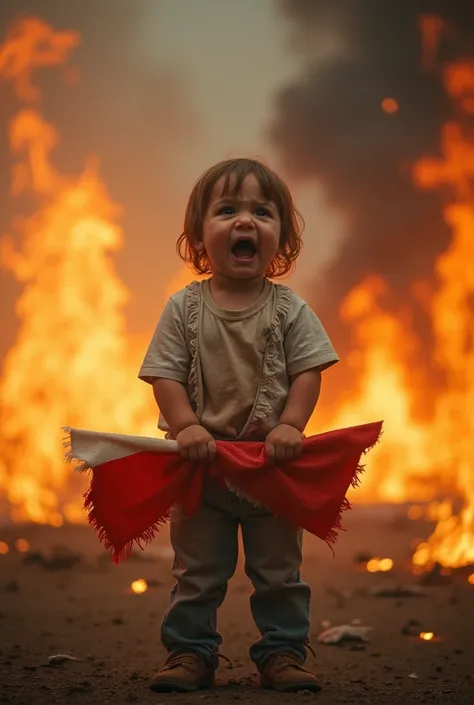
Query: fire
(452, 543)
(419, 461)
(72, 363)
(31, 43)
(381, 355)
(139, 586)
(427, 636)
(379, 565)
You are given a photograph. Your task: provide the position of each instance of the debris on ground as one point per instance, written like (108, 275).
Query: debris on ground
(411, 628)
(344, 633)
(60, 558)
(436, 576)
(59, 659)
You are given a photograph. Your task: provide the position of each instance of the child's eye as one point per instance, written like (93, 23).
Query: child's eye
(262, 212)
(226, 210)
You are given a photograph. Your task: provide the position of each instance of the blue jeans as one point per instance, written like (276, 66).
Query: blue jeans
(206, 550)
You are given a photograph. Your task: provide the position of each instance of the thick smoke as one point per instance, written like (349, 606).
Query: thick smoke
(329, 127)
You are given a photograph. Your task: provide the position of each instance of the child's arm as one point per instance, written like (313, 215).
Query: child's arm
(194, 441)
(308, 351)
(302, 399)
(173, 402)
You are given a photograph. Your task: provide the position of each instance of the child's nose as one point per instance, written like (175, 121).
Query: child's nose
(245, 221)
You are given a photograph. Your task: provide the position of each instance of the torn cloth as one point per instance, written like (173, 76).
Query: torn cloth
(135, 480)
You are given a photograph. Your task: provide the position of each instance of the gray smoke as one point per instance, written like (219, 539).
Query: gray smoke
(329, 127)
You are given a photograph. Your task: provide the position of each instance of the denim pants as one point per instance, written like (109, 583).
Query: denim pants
(206, 551)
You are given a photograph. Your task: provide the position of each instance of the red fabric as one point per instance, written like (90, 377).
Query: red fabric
(129, 498)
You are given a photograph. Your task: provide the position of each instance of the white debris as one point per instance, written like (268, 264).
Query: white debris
(58, 659)
(344, 632)
(412, 675)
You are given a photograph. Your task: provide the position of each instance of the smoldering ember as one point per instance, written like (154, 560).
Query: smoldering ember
(392, 610)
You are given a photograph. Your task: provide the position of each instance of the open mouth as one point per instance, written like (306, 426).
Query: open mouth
(244, 248)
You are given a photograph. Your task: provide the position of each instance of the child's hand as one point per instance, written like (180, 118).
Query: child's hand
(283, 443)
(195, 443)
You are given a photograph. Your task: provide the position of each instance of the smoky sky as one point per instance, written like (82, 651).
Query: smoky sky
(329, 127)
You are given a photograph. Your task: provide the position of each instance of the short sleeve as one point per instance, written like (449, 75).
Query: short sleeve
(306, 343)
(168, 354)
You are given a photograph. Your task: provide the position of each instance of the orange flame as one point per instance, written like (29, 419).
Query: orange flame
(420, 461)
(72, 362)
(431, 28)
(426, 636)
(31, 43)
(452, 543)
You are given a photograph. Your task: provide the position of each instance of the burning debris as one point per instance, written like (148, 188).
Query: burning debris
(379, 565)
(426, 636)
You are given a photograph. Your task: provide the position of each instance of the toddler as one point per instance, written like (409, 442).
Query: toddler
(237, 357)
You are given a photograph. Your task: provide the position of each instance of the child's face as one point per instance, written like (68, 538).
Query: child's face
(241, 233)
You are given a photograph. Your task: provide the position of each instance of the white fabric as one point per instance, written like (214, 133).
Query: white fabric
(93, 448)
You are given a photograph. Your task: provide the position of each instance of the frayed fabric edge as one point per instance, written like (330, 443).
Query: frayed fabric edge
(121, 553)
(337, 525)
(69, 457)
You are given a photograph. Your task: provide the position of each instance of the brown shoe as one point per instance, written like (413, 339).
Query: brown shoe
(285, 672)
(183, 673)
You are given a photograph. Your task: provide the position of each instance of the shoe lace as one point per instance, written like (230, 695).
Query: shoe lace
(189, 659)
(226, 659)
(282, 659)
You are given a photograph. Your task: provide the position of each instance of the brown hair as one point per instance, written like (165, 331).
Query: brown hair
(234, 172)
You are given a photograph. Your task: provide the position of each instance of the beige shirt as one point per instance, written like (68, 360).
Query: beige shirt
(236, 365)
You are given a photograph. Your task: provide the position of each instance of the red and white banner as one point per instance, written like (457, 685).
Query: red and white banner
(135, 480)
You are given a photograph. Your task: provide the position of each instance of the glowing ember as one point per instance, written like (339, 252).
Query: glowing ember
(3, 548)
(470, 579)
(415, 512)
(139, 586)
(389, 105)
(426, 636)
(382, 565)
(22, 545)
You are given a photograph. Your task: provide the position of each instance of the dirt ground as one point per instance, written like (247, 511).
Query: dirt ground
(83, 606)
